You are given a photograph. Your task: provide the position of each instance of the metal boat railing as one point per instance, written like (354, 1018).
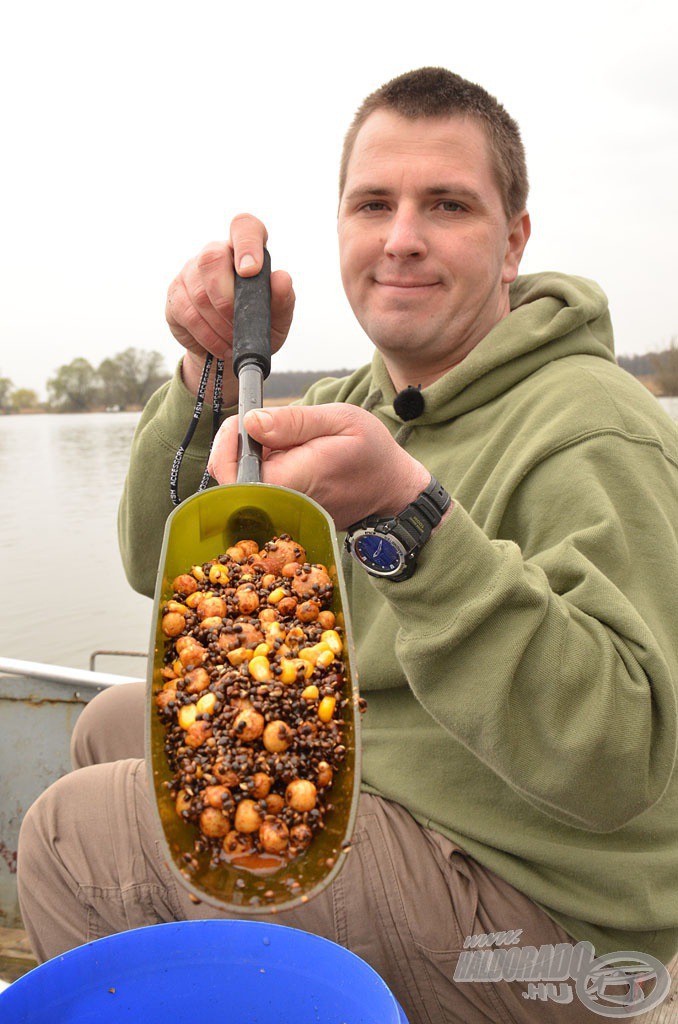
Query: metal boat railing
(39, 705)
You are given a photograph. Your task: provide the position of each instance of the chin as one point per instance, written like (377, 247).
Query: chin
(399, 338)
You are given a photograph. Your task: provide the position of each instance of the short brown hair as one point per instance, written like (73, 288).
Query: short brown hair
(437, 92)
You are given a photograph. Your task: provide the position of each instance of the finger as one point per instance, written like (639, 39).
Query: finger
(209, 283)
(282, 307)
(248, 238)
(223, 461)
(187, 324)
(290, 469)
(290, 426)
(214, 265)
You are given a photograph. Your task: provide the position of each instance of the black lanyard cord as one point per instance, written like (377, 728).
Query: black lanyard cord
(216, 412)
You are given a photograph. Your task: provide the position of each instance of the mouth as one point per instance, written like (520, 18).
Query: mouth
(407, 287)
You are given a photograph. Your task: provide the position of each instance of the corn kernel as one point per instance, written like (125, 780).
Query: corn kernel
(187, 715)
(276, 595)
(333, 641)
(313, 653)
(205, 705)
(288, 672)
(262, 650)
(260, 669)
(311, 692)
(177, 606)
(219, 574)
(274, 631)
(325, 659)
(239, 655)
(307, 666)
(199, 573)
(178, 668)
(326, 708)
(183, 801)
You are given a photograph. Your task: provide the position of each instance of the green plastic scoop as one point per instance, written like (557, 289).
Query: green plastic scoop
(201, 529)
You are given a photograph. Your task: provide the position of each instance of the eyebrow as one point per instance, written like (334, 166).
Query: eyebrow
(460, 191)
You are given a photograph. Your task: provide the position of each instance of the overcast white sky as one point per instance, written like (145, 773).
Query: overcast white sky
(133, 131)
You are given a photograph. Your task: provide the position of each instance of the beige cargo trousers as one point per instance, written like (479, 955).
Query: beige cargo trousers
(90, 865)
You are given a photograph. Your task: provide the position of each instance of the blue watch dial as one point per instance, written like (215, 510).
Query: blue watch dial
(377, 552)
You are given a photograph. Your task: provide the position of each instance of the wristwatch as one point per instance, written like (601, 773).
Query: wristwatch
(389, 547)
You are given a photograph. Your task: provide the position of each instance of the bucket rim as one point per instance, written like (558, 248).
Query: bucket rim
(94, 951)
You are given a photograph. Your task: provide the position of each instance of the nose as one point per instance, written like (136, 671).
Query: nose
(405, 238)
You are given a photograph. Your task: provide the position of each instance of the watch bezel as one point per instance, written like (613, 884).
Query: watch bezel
(379, 531)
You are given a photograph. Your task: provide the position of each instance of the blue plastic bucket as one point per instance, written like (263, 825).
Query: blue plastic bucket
(227, 972)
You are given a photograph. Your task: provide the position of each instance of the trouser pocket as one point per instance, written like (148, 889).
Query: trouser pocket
(397, 899)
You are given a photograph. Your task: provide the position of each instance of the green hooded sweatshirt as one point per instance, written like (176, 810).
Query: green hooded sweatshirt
(521, 686)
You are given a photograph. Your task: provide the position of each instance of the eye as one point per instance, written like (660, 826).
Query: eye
(450, 206)
(374, 206)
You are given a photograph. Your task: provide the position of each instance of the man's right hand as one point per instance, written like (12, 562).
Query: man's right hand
(199, 306)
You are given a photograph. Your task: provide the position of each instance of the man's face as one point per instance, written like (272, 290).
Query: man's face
(426, 249)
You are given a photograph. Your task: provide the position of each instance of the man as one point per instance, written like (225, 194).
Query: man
(519, 744)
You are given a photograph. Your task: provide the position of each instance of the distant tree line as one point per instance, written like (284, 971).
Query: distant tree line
(128, 379)
(639, 366)
(16, 400)
(293, 383)
(124, 381)
(662, 367)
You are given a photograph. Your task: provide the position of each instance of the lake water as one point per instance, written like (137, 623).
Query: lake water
(65, 593)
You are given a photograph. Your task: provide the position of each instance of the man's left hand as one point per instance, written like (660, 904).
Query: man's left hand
(340, 455)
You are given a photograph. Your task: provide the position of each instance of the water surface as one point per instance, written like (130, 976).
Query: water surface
(65, 591)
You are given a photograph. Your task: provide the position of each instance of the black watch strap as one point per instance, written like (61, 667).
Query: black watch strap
(425, 512)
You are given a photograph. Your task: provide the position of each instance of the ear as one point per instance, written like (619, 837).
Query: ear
(519, 229)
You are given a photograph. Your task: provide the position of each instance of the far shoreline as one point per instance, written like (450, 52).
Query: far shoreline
(647, 382)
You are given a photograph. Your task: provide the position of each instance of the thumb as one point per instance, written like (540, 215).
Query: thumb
(289, 426)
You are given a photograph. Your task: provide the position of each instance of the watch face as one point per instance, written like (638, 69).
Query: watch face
(378, 553)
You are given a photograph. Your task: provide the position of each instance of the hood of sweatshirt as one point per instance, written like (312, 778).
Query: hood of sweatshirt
(552, 316)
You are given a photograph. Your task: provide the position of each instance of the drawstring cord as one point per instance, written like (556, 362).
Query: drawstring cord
(216, 411)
